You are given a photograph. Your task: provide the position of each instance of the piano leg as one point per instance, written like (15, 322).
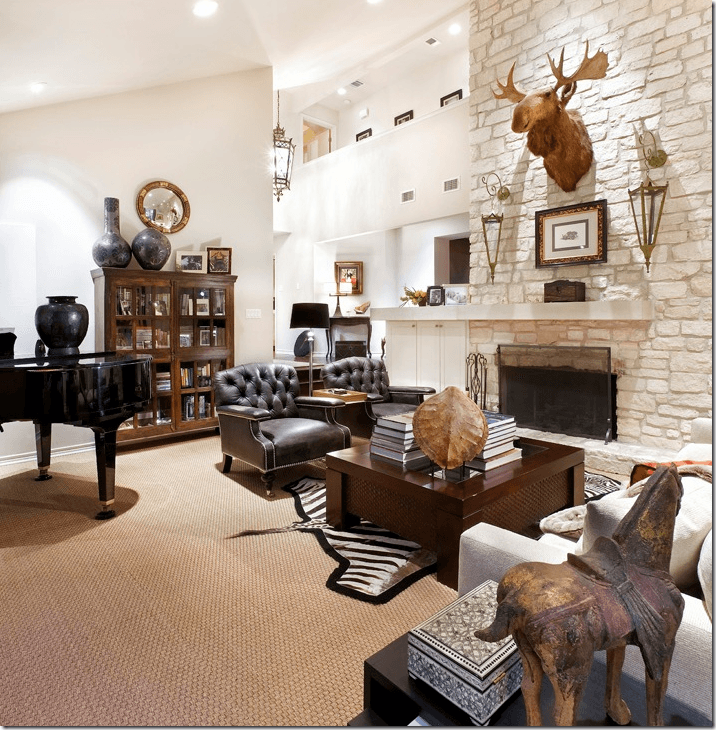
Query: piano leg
(105, 441)
(43, 443)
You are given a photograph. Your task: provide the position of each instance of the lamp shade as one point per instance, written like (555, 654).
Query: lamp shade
(310, 314)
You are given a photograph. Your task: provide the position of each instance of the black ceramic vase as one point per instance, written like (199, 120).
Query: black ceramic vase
(62, 325)
(151, 248)
(111, 251)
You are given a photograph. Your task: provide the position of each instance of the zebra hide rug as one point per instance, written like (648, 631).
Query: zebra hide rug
(374, 564)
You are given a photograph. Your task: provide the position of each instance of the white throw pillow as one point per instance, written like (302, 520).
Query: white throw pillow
(693, 522)
(695, 452)
(705, 571)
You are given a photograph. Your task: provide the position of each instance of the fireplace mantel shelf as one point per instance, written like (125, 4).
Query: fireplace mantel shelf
(620, 310)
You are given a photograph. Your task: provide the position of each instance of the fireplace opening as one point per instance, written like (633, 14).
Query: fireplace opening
(567, 390)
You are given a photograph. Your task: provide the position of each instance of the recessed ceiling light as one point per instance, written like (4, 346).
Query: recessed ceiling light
(38, 87)
(454, 29)
(205, 8)
(341, 91)
(374, 2)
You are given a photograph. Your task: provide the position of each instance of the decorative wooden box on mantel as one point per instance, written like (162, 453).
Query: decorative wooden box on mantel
(564, 291)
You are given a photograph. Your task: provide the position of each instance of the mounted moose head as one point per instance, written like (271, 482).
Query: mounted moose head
(557, 135)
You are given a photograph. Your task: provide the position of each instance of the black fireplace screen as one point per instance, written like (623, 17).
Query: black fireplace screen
(568, 390)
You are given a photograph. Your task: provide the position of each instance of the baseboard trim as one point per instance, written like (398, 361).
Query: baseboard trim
(32, 456)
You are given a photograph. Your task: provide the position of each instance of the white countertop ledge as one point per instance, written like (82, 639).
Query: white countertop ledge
(641, 310)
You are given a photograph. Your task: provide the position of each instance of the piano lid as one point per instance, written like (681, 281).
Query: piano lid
(90, 359)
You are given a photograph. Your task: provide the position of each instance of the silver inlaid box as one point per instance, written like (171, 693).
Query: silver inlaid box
(475, 675)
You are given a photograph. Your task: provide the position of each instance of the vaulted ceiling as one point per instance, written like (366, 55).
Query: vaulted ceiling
(86, 48)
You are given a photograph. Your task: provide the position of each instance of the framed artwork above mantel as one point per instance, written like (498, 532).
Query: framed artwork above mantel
(574, 234)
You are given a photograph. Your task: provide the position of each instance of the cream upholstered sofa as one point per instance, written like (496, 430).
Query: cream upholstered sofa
(486, 552)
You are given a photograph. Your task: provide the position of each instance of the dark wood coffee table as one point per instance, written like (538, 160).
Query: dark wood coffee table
(435, 512)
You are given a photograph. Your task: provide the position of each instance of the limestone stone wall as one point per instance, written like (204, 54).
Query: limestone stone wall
(658, 80)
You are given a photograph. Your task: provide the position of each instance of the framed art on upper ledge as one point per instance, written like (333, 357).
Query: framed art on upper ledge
(350, 271)
(575, 234)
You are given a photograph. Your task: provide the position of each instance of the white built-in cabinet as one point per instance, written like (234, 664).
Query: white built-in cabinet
(430, 353)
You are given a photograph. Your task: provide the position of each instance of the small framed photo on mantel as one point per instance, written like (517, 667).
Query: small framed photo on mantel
(436, 296)
(574, 234)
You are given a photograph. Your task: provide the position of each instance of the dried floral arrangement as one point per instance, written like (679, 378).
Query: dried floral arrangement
(414, 296)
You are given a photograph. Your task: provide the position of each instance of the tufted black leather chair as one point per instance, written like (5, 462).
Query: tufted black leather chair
(264, 421)
(370, 376)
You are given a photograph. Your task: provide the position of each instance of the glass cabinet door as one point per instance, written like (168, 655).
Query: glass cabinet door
(143, 317)
(202, 320)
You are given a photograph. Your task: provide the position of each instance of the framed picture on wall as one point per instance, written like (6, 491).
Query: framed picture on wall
(451, 98)
(436, 296)
(455, 294)
(364, 134)
(350, 271)
(574, 234)
(191, 262)
(402, 118)
(218, 260)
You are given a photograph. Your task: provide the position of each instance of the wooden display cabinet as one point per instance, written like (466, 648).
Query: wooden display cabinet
(186, 322)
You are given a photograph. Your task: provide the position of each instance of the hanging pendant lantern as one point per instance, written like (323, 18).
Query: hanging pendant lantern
(283, 153)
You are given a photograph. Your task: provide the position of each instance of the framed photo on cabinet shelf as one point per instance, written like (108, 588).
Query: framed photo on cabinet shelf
(191, 262)
(219, 260)
(455, 294)
(350, 271)
(574, 234)
(436, 296)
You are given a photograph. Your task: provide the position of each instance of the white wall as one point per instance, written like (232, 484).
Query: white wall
(350, 203)
(57, 164)
(419, 90)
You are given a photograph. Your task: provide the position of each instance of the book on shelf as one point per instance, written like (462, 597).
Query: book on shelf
(398, 422)
(493, 462)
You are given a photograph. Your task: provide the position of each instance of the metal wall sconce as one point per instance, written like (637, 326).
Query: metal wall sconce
(647, 201)
(283, 153)
(492, 224)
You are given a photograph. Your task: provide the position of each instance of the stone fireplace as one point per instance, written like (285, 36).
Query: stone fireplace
(566, 390)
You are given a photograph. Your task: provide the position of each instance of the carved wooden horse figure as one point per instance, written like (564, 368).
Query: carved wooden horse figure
(618, 593)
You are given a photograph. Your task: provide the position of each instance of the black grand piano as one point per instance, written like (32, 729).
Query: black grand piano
(96, 390)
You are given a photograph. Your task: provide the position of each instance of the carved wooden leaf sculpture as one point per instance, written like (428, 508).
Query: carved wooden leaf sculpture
(450, 428)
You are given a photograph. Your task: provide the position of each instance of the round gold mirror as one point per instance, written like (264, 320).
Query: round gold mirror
(163, 206)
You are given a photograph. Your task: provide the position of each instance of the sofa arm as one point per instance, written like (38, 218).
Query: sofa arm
(487, 552)
(248, 412)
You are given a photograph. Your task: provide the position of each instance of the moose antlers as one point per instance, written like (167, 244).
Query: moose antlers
(591, 68)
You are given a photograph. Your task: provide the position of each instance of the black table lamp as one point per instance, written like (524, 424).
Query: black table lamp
(309, 315)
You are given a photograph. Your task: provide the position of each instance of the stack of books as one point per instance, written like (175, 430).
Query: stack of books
(393, 441)
(499, 448)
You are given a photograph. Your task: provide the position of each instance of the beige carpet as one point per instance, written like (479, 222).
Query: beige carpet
(155, 618)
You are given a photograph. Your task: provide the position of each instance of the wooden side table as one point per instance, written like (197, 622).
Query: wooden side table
(362, 324)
